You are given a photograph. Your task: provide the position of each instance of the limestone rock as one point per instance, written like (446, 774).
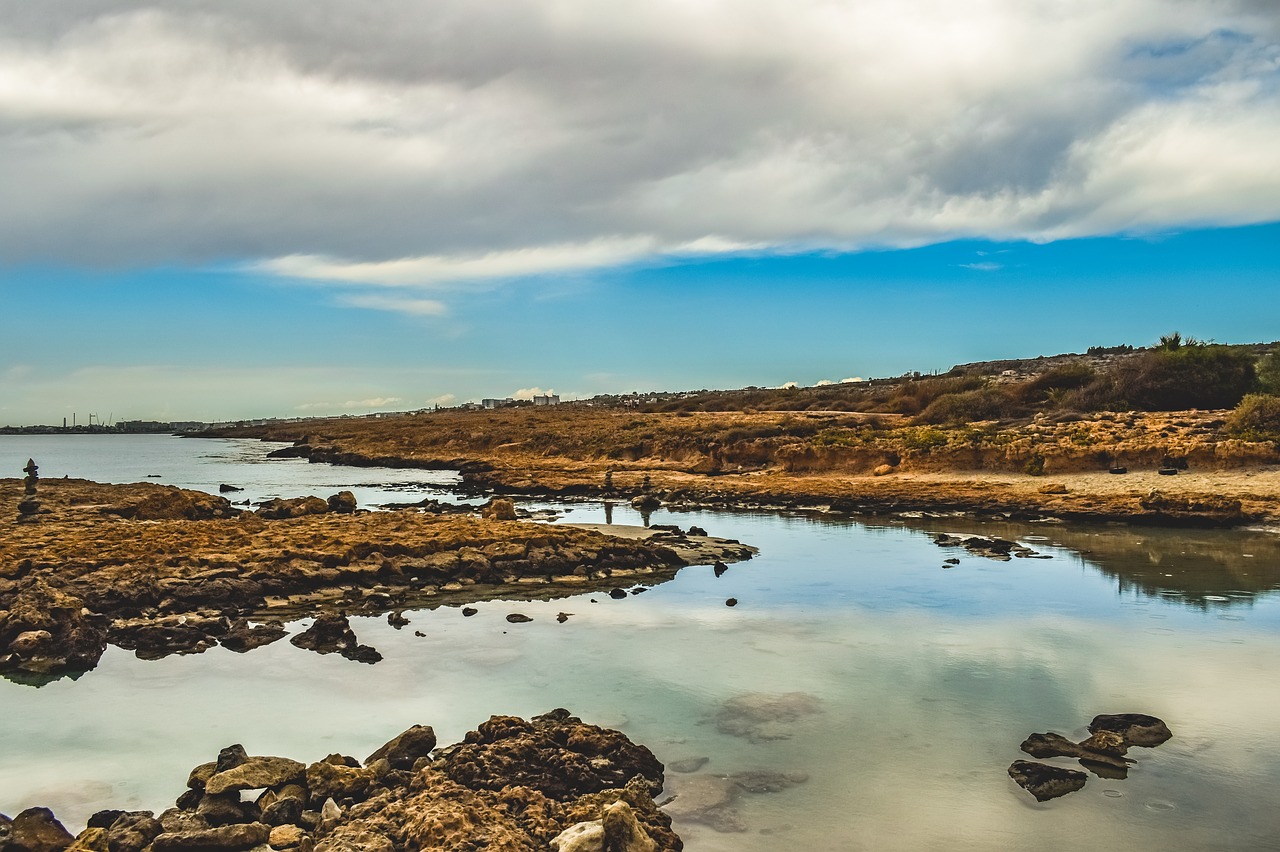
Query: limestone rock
(760, 716)
(616, 831)
(286, 837)
(89, 840)
(256, 773)
(295, 507)
(328, 780)
(227, 838)
(403, 751)
(1046, 782)
(499, 509)
(133, 832)
(332, 633)
(343, 503)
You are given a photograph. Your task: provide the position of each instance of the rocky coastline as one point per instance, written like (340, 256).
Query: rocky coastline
(159, 570)
(550, 782)
(1144, 497)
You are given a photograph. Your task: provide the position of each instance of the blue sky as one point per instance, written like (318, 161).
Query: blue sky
(236, 209)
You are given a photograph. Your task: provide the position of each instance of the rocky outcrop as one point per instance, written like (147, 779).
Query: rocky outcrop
(78, 579)
(331, 634)
(409, 796)
(1102, 753)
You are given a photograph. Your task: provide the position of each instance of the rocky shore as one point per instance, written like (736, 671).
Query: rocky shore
(551, 782)
(1175, 469)
(160, 570)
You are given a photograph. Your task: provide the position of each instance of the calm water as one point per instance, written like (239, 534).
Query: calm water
(926, 679)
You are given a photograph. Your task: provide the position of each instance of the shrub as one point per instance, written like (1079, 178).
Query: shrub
(968, 406)
(1269, 373)
(1185, 374)
(1256, 418)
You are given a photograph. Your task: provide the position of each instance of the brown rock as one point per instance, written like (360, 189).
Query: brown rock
(256, 773)
(405, 749)
(1046, 782)
(883, 470)
(286, 837)
(37, 830)
(227, 837)
(328, 780)
(90, 840)
(499, 509)
(1137, 729)
(133, 832)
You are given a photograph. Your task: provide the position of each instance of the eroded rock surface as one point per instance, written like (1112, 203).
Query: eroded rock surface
(1046, 782)
(760, 716)
(498, 790)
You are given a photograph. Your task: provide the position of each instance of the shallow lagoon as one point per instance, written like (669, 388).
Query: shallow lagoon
(927, 679)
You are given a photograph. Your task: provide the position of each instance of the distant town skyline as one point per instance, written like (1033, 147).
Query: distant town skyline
(234, 210)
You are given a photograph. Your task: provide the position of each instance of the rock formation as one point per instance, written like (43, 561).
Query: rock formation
(513, 785)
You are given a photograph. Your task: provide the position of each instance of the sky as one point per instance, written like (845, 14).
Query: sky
(236, 209)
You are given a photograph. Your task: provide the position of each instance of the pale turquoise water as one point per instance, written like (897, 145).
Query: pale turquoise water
(927, 678)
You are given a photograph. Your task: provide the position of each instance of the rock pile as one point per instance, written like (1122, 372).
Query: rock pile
(1102, 753)
(549, 782)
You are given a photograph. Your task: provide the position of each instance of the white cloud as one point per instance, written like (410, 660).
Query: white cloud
(983, 266)
(442, 399)
(397, 304)
(350, 405)
(823, 383)
(851, 380)
(788, 385)
(530, 393)
(411, 145)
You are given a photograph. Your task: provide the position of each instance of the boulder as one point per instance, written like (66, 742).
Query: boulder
(403, 751)
(1046, 782)
(499, 509)
(616, 831)
(37, 830)
(295, 507)
(48, 631)
(256, 773)
(338, 781)
(342, 503)
(89, 840)
(330, 634)
(1137, 729)
(133, 832)
(286, 837)
(242, 636)
(226, 838)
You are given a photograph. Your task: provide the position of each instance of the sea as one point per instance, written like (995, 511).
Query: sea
(889, 687)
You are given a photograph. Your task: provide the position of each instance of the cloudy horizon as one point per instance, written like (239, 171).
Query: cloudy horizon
(414, 180)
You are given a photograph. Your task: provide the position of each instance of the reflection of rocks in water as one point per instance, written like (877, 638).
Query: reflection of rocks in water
(711, 799)
(1102, 753)
(333, 634)
(989, 546)
(760, 716)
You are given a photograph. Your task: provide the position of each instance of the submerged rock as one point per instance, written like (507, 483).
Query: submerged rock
(1046, 782)
(760, 716)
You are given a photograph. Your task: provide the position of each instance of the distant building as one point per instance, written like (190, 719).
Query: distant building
(548, 399)
(490, 404)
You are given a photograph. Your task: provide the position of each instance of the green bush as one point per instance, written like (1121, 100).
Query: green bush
(1187, 375)
(1256, 418)
(1269, 373)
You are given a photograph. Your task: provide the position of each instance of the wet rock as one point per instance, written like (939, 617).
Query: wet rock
(692, 764)
(469, 611)
(575, 758)
(719, 568)
(1095, 753)
(707, 799)
(760, 716)
(562, 617)
(227, 837)
(646, 503)
(47, 631)
(1137, 729)
(518, 618)
(697, 531)
(295, 507)
(1046, 782)
(731, 602)
(243, 636)
(333, 634)
(342, 503)
(617, 594)
(224, 488)
(1050, 745)
(103, 819)
(403, 751)
(396, 619)
(990, 547)
(765, 781)
(256, 773)
(37, 830)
